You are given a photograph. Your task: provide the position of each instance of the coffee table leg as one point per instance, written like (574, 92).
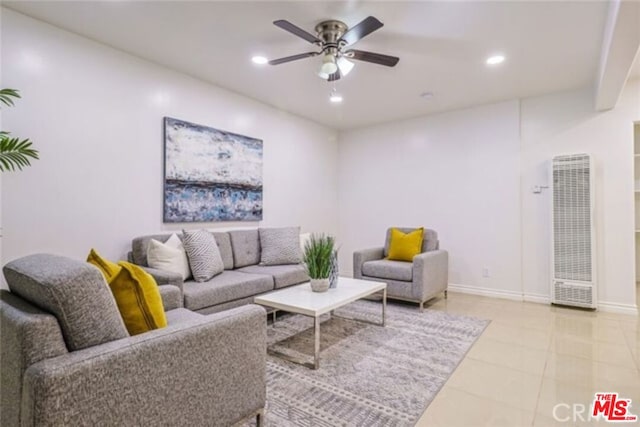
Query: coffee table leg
(316, 352)
(384, 306)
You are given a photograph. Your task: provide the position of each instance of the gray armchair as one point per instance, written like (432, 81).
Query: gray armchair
(416, 281)
(67, 358)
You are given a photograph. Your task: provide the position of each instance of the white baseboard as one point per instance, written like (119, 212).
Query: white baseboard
(609, 307)
(536, 298)
(614, 307)
(485, 292)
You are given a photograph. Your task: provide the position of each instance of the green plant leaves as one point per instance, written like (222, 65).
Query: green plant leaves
(7, 95)
(318, 251)
(15, 153)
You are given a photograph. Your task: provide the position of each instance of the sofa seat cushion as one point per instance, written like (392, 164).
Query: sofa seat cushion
(181, 315)
(386, 269)
(283, 275)
(226, 286)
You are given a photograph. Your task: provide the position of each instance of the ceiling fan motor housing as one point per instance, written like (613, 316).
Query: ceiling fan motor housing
(330, 33)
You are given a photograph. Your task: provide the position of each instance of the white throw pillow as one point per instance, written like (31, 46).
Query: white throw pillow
(169, 256)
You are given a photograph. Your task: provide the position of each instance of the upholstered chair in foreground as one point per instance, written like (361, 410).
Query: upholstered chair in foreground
(417, 281)
(68, 360)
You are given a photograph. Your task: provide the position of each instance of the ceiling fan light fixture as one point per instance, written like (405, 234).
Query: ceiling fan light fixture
(259, 60)
(329, 65)
(344, 65)
(495, 60)
(335, 98)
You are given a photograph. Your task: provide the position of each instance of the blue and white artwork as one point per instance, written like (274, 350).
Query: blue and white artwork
(210, 175)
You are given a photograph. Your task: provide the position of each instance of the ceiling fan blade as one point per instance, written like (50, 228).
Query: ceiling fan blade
(296, 31)
(292, 58)
(335, 76)
(363, 29)
(376, 58)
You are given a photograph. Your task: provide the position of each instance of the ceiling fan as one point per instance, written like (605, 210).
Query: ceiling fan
(333, 37)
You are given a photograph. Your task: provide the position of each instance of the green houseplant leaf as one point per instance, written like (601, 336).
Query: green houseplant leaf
(15, 153)
(317, 256)
(7, 95)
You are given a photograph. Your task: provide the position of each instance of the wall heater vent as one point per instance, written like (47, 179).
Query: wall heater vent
(573, 281)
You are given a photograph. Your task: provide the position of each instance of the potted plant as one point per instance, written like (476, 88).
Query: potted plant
(318, 253)
(14, 152)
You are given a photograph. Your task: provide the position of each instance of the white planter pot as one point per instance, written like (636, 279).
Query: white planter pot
(319, 285)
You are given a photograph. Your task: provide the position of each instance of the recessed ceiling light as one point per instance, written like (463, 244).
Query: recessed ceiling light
(335, 98)
(495, 60)
(426, 95)
(260, 60)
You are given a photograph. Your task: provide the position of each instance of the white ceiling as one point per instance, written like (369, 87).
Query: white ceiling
(550, 46)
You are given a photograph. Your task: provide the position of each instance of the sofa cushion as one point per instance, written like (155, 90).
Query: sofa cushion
(203, 253)
(386, 269)
(429, 239)
(138, 299)
(246, 247)
(226, 286)
(224, 245)
(169, 256)
(280, 246)
(181, 315)
(283, 275)
(107, 268)
(73, 291)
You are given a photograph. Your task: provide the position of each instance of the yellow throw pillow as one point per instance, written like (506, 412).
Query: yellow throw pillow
(138, 299)
(404, 246)
(109, 269)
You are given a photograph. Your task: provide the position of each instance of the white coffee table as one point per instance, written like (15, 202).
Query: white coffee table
(301, 299)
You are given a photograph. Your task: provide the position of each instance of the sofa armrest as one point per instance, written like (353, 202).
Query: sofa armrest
(171, 297)
(165, 277)
(206, 371)
(430, 274)
(364, 255)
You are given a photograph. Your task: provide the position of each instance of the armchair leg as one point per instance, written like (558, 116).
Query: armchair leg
(421, 306)
(445, 294)
(260, 418)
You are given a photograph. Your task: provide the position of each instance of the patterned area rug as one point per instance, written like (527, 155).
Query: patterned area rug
(369, 375)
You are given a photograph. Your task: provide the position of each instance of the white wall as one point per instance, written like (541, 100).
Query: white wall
(95, 114)
(468, 174)
(457, 173)
(567, 123)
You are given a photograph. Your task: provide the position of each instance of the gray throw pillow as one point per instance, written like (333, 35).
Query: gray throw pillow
(280, 246)
(203, 253)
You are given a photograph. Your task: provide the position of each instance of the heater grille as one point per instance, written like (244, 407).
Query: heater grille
(572, 217)
(573, 230)
(573, 294)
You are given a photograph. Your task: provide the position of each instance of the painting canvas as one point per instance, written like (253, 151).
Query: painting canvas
(210, 175)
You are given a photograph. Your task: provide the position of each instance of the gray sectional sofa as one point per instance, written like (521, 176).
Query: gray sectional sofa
(68, 360)
(243, 277)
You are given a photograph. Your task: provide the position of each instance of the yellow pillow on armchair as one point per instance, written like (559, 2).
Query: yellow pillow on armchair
(138, 299)
(109, 269)
(404, 246)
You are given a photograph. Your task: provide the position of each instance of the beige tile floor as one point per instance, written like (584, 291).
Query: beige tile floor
(532, 357)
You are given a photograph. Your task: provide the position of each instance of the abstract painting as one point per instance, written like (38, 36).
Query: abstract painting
(210, 175)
